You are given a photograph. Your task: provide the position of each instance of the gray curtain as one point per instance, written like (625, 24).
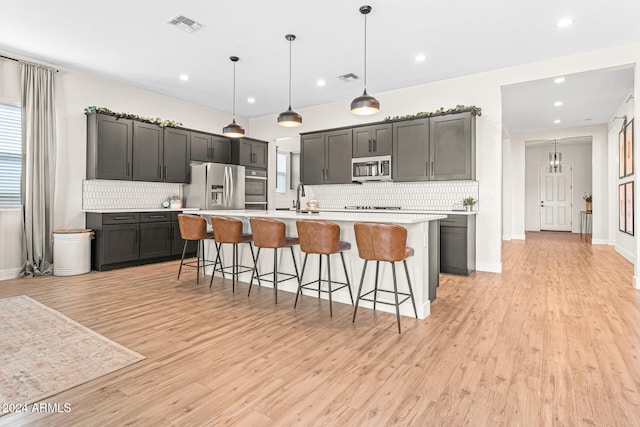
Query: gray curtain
(38, 173)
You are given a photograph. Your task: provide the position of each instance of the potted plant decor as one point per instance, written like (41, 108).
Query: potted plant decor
(588, 198)
(469, 203)
(175, 202)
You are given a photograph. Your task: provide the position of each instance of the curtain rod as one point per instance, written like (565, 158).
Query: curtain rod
(18, 60)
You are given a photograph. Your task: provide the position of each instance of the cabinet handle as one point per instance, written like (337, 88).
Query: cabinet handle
(165, 171)
(120, 218)
(432, 171)
(326, 173)
(156, 216)
(160, 171)
(426, 169)
(128, 168)
(369, 145)
(375, 145)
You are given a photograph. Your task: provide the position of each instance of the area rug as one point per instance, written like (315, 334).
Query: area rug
(43, 352)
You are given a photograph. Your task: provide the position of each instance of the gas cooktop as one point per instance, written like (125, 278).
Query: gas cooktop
(373, 207)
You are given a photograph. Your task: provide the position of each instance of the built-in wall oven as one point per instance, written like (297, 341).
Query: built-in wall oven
(255, 187)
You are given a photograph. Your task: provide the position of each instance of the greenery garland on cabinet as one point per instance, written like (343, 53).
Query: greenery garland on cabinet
(155, 120)
(476, 111)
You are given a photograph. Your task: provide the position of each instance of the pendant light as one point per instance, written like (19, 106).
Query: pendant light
(289, 118)
(233, 130)
(555, 159)
(365, 104)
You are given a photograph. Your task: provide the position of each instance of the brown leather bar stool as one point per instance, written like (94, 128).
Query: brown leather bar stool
(383, 242)
(229, 230)
(322, 238)
(194, 228)
(271, 233)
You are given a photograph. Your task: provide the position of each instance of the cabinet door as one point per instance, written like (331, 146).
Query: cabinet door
(338, 157)
(155, 239)
(220, 149)
(381, 137)
(411, 150)
(312, 159)
(245, 153)
(200, 146)
(147, 152)
(453, 250)
(362, 143)
(114, 148)
(177, 147)
(260, 154)
(451, 148)
(120, 243)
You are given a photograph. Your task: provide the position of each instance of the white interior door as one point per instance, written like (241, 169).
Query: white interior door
(555, 197)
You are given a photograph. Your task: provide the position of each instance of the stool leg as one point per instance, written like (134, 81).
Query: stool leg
(255, 263)
(329, 281)
(395, 293)
(375, 286)
(253, 272)
(347, 276)
(184, 251)
(275, 273)
(295, 266)
(234, 268)
(406, 270)
(355, 309)
(304, 264)
(198, 261)
(319, 274)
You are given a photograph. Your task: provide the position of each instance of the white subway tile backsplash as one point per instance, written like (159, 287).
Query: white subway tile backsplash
(104, 194)
(431, 195)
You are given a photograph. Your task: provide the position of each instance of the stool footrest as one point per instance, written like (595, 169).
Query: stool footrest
(405, 295)
(204, 263)
(319, 287)
(291, 276)
(240, 267)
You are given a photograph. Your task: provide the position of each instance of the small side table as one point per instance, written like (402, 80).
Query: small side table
(585, 224)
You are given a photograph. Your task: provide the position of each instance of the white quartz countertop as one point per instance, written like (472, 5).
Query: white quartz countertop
(399, 211)
(347, 216)
(138, 210)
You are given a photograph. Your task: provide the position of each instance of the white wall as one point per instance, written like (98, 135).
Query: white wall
(625, 244)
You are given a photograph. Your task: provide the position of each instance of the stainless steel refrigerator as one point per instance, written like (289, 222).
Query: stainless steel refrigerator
(215, 186)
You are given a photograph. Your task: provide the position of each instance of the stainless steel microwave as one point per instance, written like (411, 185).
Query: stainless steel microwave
(376, 168)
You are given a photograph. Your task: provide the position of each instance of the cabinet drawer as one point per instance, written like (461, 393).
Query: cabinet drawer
(454, 221)
(120, 218)
(155, 216)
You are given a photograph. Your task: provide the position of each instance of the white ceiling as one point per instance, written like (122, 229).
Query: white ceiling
(131, 42)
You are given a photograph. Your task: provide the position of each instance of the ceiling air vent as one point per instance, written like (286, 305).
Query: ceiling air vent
(184, 23)
(349, 77)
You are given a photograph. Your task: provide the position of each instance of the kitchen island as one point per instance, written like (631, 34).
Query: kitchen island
(422, 236)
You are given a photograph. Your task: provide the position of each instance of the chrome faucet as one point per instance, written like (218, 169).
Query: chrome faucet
(298, 190)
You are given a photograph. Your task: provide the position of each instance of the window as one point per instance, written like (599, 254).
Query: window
(281, 172)
(10, 155)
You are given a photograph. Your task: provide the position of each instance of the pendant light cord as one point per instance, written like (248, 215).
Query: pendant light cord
(290, 73)
(234, 91)
(365, 52)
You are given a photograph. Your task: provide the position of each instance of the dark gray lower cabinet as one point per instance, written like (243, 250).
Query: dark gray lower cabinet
(127, 239)
(458, 244)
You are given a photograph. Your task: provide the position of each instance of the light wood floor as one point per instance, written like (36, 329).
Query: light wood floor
(553, 341)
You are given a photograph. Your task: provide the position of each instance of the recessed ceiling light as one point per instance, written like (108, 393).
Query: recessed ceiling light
(420, 57)
(251, 100)
(321, 83)
(184, 77)
(565, 22)
(556, 121)
(559, 80)
(558, 104)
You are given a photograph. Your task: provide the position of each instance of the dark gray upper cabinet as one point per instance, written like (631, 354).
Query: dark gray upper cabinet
(176, 155)
(210, 148)
(375, 140)
(452, 147)
(439, 148)
(411, 150)
(109, 147)
(326, 157)
(250, 153)
(147, 152)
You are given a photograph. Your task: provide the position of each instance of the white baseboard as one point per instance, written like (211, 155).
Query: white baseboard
(626, 254)
(11, 273)
(600, 242)
(489, 267)
(518, 237)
